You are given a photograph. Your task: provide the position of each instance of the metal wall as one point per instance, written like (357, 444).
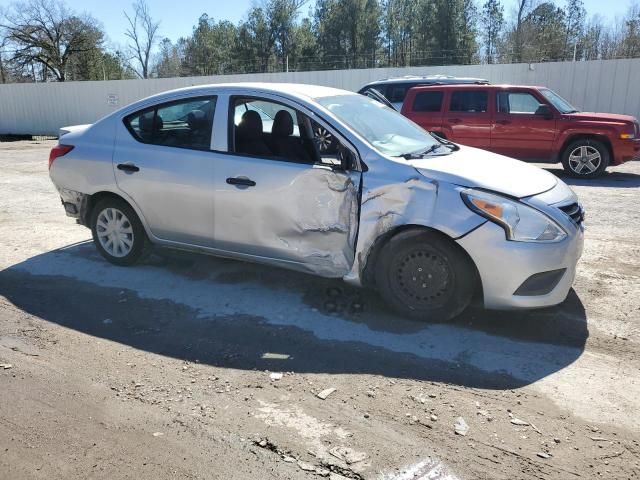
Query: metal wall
(42, 108)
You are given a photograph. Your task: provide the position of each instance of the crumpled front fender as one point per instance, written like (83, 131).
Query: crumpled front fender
(414, 200)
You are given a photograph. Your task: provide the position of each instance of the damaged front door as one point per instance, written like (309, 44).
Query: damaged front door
(276, 199)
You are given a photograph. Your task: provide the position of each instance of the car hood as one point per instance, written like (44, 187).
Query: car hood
(472, 167)
(601, 117)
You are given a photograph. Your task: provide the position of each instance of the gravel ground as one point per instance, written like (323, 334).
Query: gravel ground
(189, 366)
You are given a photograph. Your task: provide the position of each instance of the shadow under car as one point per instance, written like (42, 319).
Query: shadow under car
(233, 314)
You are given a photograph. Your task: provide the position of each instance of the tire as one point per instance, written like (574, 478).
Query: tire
(128, 238)
(585, 158)
(416, 262)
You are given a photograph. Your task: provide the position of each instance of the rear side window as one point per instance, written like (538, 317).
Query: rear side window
(517, 102)
(427, 102)
(469, 101)
(183, 123)
(396, 93)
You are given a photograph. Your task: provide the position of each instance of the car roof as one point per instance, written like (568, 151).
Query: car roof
(291, 90)
(441, 79)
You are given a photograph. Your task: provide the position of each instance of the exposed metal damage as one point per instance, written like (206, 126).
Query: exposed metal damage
(411, 201)
(75, 203)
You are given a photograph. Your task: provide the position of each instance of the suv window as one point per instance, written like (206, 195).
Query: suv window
(183, 123)
(427, 102)
(396, 93)
(517, 103)
(469, 101)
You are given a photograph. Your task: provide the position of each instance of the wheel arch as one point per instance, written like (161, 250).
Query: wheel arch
(93, 199)
(573, 137)
(368, 270)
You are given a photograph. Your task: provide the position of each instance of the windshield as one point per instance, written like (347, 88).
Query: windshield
(384, 128)
(560, 103)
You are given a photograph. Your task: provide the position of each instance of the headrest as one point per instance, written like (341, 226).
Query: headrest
(196, 119)
(250, 124)
(282, 124)
(147, 122)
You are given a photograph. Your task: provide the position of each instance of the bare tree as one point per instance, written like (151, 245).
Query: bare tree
(3, 75)
(142, 33)
(46, 34)
(523, 5)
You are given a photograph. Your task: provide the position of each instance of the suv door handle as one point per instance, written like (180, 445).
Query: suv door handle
(454, 120)
(503, 122)
(241, 181)
(128, 167)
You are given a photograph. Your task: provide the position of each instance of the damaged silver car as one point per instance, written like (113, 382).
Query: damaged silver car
(239, 171)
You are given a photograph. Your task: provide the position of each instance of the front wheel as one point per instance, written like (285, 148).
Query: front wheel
(425, 276)
(117, 232)
(585, 158)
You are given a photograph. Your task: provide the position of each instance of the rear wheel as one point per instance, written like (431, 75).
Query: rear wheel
(586, 158)
(117, 232)
(425, 276)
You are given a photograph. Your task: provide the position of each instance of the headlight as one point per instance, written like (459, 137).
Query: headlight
(521, 222)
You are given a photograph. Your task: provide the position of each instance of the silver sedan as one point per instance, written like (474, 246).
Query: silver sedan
(240, 171)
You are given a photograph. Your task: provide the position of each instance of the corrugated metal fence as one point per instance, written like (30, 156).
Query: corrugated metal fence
(42, 108)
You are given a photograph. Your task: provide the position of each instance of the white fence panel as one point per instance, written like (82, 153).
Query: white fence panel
(42, 108)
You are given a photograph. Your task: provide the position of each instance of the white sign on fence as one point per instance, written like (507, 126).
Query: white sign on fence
(112, 100)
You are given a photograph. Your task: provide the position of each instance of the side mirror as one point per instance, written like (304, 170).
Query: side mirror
(544, 111)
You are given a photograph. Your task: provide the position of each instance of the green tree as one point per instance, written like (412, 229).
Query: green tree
(574, 19)
(211, 48)
(492, 25)
(169, 61)
(281, 18)
(44, 34)
(348, 32)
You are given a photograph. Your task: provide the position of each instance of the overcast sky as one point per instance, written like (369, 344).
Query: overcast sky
(177, 18)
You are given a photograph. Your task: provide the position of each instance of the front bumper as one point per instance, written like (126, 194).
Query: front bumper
(505, 265)
(626, 150)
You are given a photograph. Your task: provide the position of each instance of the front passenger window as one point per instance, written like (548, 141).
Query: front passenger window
(269, 129)
(517, 103)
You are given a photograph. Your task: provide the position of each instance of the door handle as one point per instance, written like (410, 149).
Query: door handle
(503, 122)
(454, 120)
(241, 181)
(128, 167)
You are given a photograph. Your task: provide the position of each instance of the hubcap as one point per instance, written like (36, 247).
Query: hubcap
(424, 277)
(323, 139)
(584, 160)
(115, 232)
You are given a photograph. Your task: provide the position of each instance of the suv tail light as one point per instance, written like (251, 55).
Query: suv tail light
(58, 151)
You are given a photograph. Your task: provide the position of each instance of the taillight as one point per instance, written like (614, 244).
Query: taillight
(58, 151)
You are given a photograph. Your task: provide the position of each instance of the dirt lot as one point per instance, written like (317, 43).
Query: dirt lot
(194, 367)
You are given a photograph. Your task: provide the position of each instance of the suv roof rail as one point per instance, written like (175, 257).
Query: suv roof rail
(431, 77)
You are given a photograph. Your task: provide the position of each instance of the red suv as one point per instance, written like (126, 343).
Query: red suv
(530, 123)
